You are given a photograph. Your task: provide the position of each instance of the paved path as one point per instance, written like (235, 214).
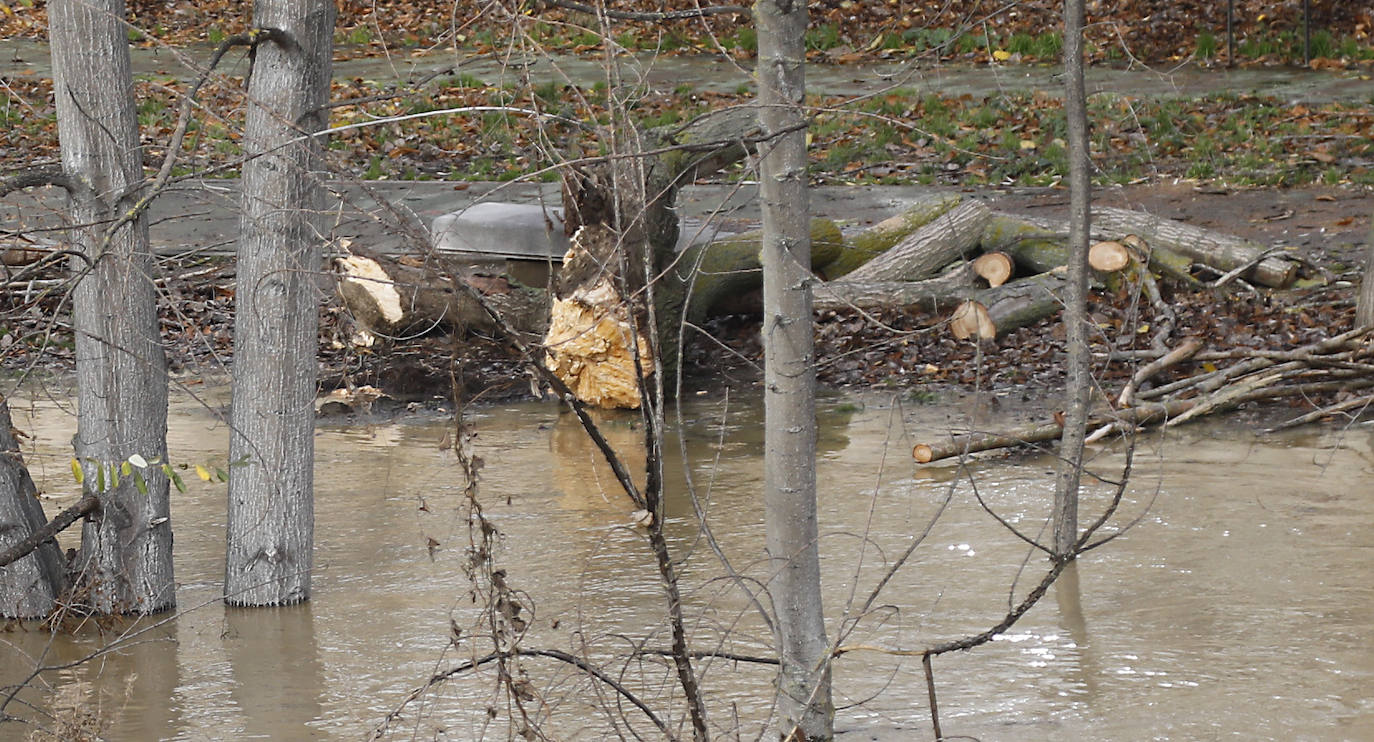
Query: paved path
(25, 57)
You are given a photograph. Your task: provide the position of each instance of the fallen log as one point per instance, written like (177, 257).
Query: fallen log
(708, 274)
(1108, 256)
(880, 237)
(1039, 245)
(948, 237)
(1221, 251)
(971, 320)
(933, 294)
(1009, 306)
(1025, 302)
(925, 453)
(392, 298)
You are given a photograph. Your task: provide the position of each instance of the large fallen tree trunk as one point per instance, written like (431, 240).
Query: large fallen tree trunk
(877, 239)
(1009, 306)
(950, 236)
(1221, 251)
(1039, 245)
(395, 298)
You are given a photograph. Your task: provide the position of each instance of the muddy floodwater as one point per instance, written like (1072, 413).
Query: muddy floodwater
(1239, 606)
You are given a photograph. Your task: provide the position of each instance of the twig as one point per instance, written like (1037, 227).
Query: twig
(1174, 357)
(87, 504)
(555, 654)
(1315, 415)
(930, 692)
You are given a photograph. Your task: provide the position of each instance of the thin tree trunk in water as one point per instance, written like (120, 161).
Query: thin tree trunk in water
(804, 704)
(1364, 308)
(30, 586)
(271, 484)
(1078, 383)
(126, 550)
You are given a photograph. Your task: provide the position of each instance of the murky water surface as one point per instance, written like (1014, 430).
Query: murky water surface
(1239, 606)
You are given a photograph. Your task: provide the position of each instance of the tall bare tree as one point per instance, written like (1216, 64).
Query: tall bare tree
(125, 562)
(1078, 385)
(271, 485)
(804, 703)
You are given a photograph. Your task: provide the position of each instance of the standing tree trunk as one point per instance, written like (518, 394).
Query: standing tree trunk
(804, 703)
(1364, 308)
(30, 586)
(1078, 383)
(271, 485)
(126, 549)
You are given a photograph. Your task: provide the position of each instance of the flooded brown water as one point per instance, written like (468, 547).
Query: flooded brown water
(1238, 607)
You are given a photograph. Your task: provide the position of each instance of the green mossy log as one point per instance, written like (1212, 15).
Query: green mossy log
(876, 240)
(728, 268)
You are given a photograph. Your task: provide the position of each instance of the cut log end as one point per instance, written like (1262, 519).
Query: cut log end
(995, 267)
(923, 453)
(971, 320)
(1109, 256)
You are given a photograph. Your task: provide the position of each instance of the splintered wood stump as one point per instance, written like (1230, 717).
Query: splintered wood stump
(925, 251)
(596, 344)
(1221, 251)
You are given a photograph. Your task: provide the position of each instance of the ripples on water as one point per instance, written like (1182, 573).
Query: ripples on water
(1239, 606)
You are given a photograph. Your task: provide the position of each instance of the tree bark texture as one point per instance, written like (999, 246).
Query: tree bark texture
(394, 298)
(271, 482)
(1078, 379)
(29, 587)
(805, 709)
(880, 237)
(125, 562)
(1364, 307)
(948, 237)
(1221, 251)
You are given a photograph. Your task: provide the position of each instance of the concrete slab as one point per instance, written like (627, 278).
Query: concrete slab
(502, 230)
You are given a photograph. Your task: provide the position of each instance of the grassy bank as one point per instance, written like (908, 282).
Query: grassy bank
(900, 137)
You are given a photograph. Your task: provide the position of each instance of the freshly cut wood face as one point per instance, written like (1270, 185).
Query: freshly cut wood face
(1109, 256)
(994, 267)
(971, 319)
(366, 282)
